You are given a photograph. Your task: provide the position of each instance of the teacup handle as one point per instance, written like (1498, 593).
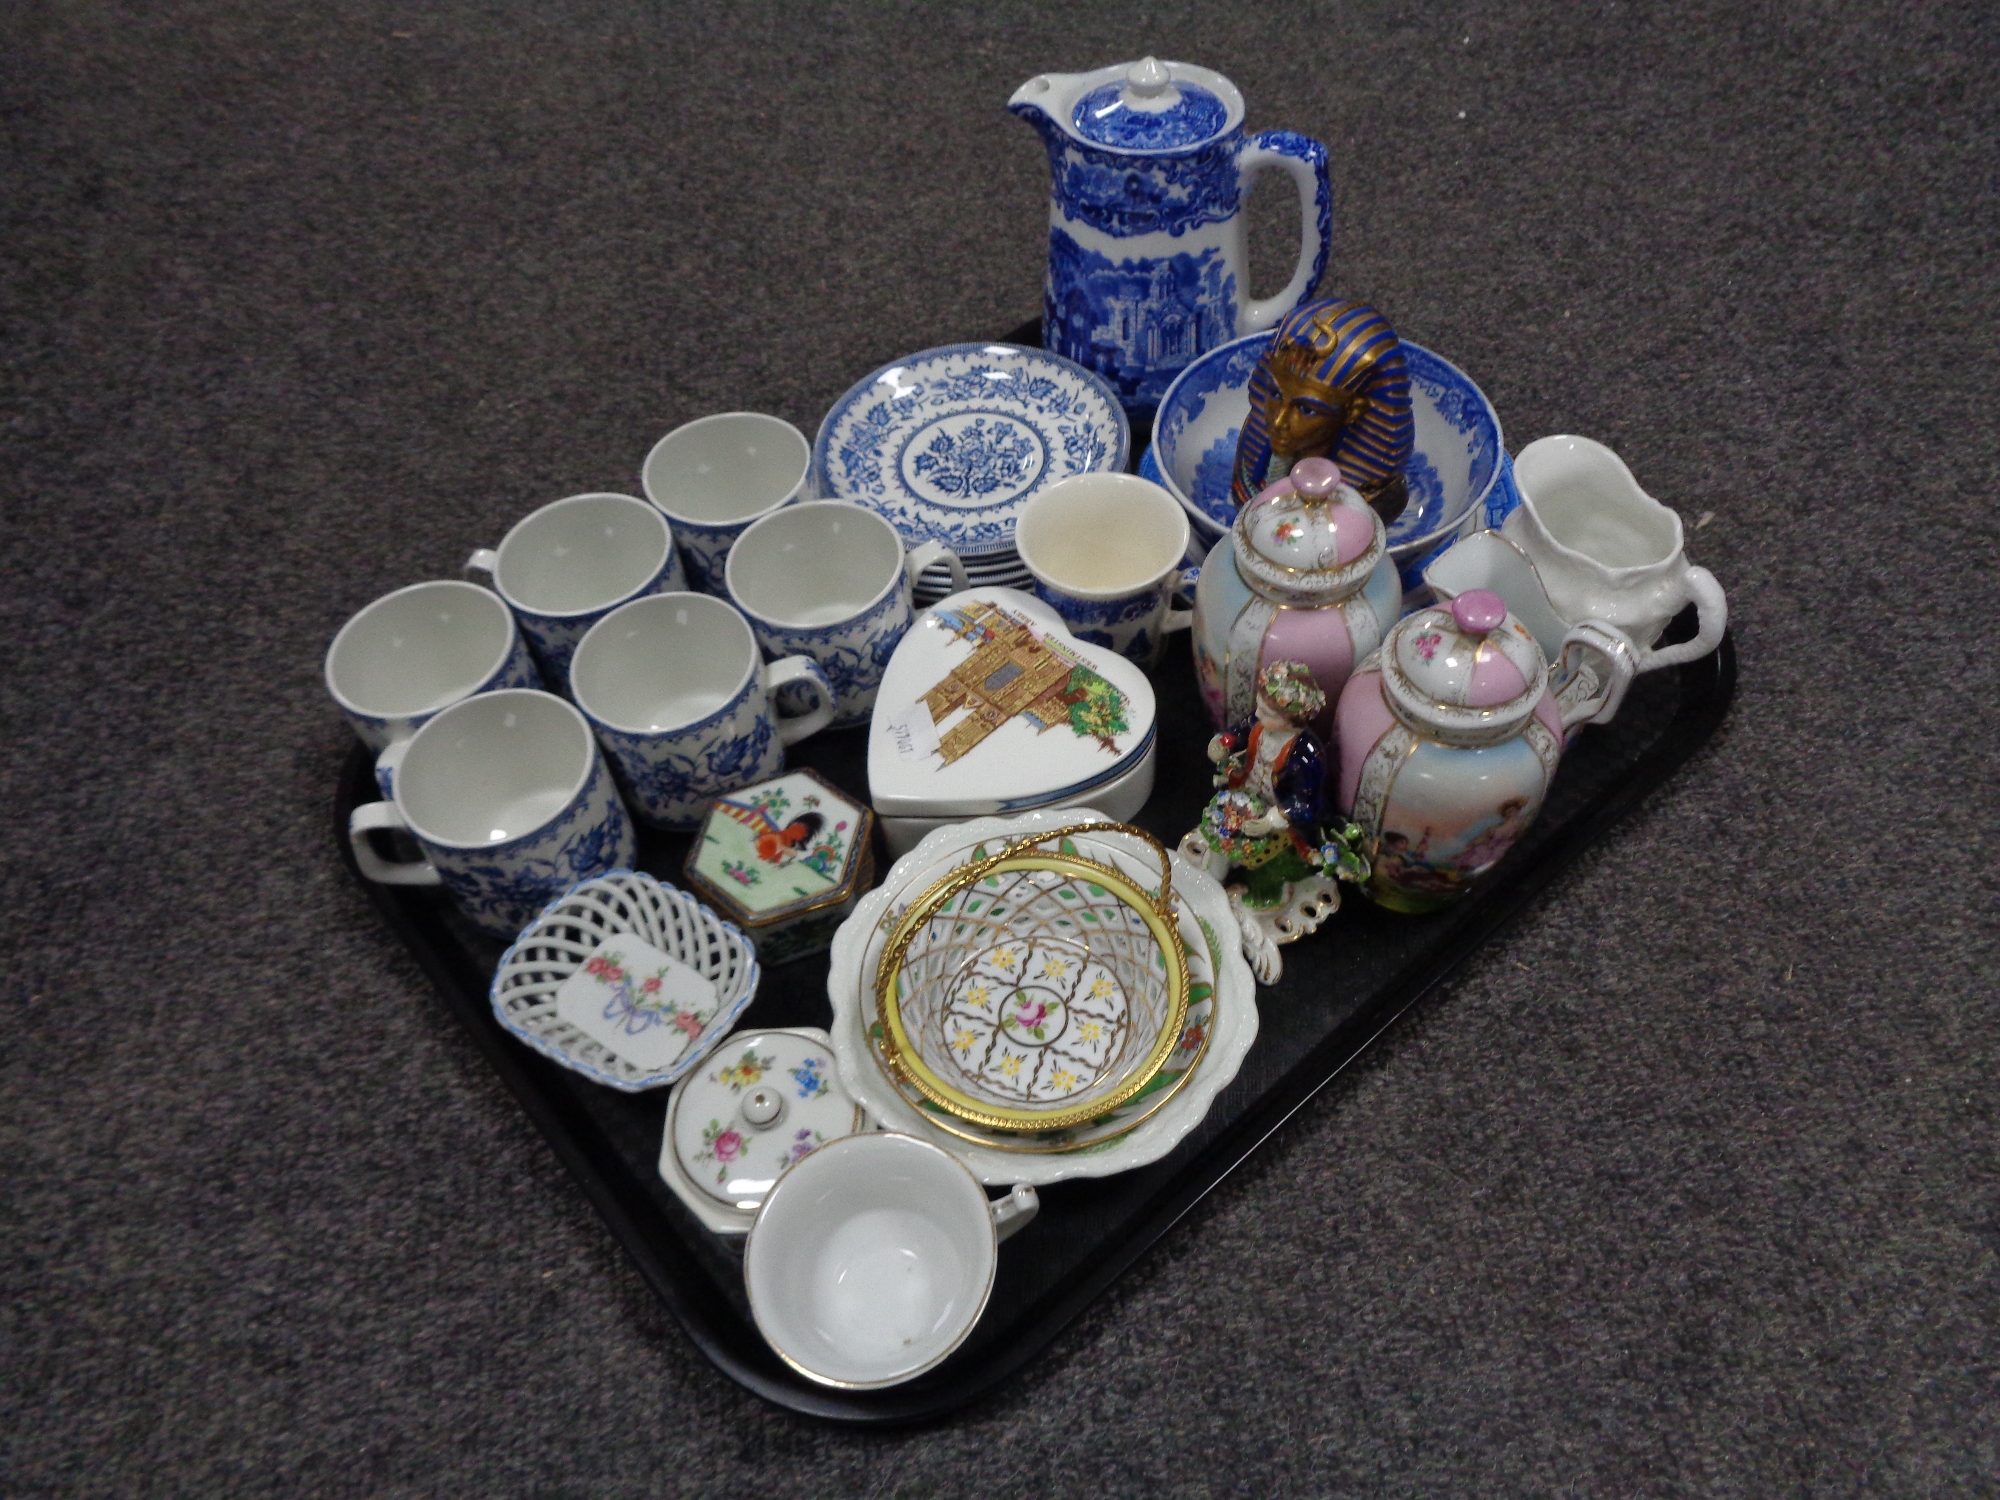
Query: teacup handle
(1621, 664)
(799, 669)
(484, 560)
(1012, 1213)
(1711, 615)
(924, 554)
(382, 817)
(385, 768)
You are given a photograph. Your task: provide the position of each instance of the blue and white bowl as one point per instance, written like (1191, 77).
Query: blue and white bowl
(948, 444)
(1454, 475)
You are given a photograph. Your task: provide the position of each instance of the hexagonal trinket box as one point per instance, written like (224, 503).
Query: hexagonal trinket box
(786, 860)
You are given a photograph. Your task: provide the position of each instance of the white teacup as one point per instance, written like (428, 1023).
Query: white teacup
(680, 696)
(714, 476)
(564, 567)
(509, 803)
(1606, 550)
(872, 1258)
(417, 651)
(1106, 551)
(832, 581)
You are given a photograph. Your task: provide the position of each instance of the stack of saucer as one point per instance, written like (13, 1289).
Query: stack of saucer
(1038, 1024)
(949, 444)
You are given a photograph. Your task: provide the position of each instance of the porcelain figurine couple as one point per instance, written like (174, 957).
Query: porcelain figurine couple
(1268, 821)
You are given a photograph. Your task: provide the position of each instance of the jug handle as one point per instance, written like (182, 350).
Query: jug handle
(1712, 615)
(1621, 664)
(1306, 160)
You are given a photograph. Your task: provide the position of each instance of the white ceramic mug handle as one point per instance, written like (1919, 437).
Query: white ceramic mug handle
(1305, 160)
(483, 560)
(924, 554)
(799, 669)
(1176, 619)
(1620, 659)
(379, 817)
(1012, 1213)
(385, 768)
(1712, 615)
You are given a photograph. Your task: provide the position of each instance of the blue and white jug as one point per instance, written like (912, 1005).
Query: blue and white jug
(1147, 267)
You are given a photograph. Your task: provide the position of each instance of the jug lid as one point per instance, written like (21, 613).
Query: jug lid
(1309, 538)
(1150, 108)
(1468, 672)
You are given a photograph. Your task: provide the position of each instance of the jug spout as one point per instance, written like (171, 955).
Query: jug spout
(1035, 101)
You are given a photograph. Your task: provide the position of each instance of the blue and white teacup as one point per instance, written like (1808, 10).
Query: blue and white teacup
(1107, 552)
(566, 566)
(680, 698)
(712, 477)
(832, 581)
(510, 805)
(414, 653)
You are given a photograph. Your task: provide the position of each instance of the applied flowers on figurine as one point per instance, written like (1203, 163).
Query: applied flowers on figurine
(1267, 820)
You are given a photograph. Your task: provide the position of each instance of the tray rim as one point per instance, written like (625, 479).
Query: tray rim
(665, 1262)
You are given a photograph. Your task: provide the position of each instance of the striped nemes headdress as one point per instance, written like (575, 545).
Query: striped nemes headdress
(1348, 358)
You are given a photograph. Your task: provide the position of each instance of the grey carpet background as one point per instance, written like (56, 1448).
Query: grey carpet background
(1685, 1187)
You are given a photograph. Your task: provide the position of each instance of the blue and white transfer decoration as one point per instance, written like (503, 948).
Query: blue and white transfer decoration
(1458, 476)
(555, 638)
(1147, 265)
(516, 670)
(501, 887)
(672, 775)
(853, 653)
(948, 445)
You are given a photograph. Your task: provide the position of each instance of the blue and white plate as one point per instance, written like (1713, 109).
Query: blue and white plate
(1454, 474)
(949, 444)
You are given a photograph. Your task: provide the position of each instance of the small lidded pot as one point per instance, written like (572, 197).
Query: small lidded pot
(786, 860)
(1304, 575)
(1449, 737)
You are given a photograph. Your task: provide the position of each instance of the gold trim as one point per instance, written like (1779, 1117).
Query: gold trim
(1155, 911)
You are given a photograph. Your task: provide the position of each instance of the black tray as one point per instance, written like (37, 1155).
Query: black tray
(1340, 989)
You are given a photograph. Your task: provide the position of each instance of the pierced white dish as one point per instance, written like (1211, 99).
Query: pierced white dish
(573, 929)
(1233, 1031)
(796, 1063)
(949, 443)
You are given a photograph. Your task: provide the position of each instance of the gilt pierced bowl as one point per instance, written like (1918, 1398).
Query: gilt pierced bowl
(1033, 990)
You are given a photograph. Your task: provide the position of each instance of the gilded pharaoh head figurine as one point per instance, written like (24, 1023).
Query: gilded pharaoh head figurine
(1332, 385)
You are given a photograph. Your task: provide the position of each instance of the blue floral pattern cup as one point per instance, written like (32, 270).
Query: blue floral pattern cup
(831, 581)
(566, 566)
(680, 698)
(1107, 554)
(510, 805)
(415, 652)
(714, 476)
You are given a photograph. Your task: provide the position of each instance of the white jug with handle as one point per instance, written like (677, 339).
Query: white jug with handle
(1606, 550)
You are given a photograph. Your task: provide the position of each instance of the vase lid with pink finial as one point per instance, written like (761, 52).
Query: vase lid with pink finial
(1309, 539)
(1467, 672)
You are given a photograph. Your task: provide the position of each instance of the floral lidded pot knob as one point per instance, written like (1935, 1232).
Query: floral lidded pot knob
(1305, 575)
(1448, 738)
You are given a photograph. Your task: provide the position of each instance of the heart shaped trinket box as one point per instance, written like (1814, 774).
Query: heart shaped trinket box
(990, 706)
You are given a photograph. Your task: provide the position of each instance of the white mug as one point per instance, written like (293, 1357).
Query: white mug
(564, 567)
(417, 651)
(1606, 550)
(832, 581)
(680, 696)
(510, 805)
(713, 476)
(1106, 551)
(871, 1259)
